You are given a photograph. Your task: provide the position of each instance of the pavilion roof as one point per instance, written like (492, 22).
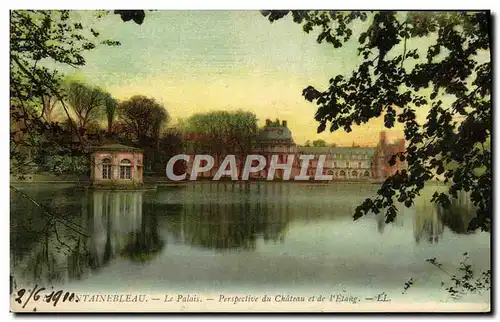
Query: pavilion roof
(116, 147)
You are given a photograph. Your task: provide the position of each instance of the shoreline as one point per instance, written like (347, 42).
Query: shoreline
(162, 182)
(205, 181)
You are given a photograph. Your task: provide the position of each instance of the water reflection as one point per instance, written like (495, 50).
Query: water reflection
(427, 225)
(431, 219)
(90, 230)
(459, 214)
(88, 235)
(120, 227)
(232, 216)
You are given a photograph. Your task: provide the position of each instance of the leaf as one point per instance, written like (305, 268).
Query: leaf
(136, 15)
(139, 17)
(362, 37)
(321, 127)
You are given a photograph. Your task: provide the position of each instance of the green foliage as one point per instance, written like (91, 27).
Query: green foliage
(319, 143)
(110, 105)
(143, 116)
(87, 102)
(408, 284)
(396, 83)
(43, 35)
(65, 164)
(36, 38)
(463, 282)
(221, 129)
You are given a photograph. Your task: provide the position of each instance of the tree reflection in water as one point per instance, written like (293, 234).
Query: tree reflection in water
(233, 216)
(144, 243)
(430, 218)
(93, 228)
(459, 214)
(46, 232)
(84, 236)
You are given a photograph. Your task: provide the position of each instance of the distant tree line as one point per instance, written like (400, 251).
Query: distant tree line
(92, 117)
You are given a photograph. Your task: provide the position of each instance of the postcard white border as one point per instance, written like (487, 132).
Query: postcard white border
(200, 4)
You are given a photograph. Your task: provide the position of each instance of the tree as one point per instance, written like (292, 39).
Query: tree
(110, 109)
(319, 143)
(143, 116)
(87, 102)
(466, 280)
(307, 143)
(48, 107)
(221, 129)
(63, 164)
(36, 38)
(452, 79)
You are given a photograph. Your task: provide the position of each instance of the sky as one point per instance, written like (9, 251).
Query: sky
(198, 61)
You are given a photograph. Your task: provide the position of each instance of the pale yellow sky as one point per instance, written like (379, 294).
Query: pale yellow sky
(185, 96)
(194, 61)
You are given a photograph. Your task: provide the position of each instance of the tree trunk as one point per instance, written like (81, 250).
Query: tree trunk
(110, 124)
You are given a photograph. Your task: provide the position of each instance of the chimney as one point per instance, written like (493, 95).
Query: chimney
(402, 144)
(268, 122)
(284, 123)
(383, 138)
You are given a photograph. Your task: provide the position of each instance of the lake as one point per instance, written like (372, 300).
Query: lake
(279, 238)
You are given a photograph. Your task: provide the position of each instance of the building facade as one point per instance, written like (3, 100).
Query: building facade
(342, 163)
(116, 165)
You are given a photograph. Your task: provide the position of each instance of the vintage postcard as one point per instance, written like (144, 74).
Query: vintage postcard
(250, 161)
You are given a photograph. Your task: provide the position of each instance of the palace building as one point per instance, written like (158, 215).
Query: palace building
(342, 163)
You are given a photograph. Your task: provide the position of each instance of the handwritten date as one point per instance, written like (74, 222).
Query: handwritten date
(37, 294)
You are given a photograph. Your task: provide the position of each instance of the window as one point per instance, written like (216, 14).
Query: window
(106, 168)
(125, 169)
(334, 164)
(347, 164)
(354, 174)
(342, 173)
(367, 174)
(359, 165)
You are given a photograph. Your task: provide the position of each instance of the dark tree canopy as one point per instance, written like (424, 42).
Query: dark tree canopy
(143, 116)
(447, 77)
(136, 15)
(110, 105)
